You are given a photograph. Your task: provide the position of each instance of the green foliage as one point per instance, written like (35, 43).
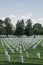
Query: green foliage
(28, 28)
(2, 30)
(8, 26)
(37, 28)
(7, 21)
(20, 27)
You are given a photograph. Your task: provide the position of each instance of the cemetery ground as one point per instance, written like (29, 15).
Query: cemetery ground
(21, 51)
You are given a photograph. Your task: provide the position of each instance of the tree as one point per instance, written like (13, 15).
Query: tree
(7, 21)
(2, 30)
(37, 28)
(8, 26)
(41, 31)
(20, 27)
(28, 28)
(1, 22)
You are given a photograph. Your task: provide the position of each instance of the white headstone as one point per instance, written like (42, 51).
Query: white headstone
(34, 47)
(20, 47)
(26, 54)
(20, 51)
(38, 55)
(6, 52)
(8, 58)
(16, 48)
(13, 46)
(42, 44)
(2, 44)
(12, 50)
(24, 49)
(21, 59)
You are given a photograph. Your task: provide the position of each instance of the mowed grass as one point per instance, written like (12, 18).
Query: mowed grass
(32, 60)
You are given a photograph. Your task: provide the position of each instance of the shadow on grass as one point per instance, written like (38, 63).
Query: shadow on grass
(17, 63)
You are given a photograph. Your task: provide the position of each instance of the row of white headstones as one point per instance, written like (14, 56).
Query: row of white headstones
(15, 44)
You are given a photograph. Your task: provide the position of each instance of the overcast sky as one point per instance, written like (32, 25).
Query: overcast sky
(22, 9)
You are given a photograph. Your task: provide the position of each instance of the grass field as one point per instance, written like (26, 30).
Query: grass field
(14, 57)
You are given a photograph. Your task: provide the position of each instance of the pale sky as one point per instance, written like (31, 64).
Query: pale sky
(22, 9)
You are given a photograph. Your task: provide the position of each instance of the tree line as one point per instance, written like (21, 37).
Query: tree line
(7, 28)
